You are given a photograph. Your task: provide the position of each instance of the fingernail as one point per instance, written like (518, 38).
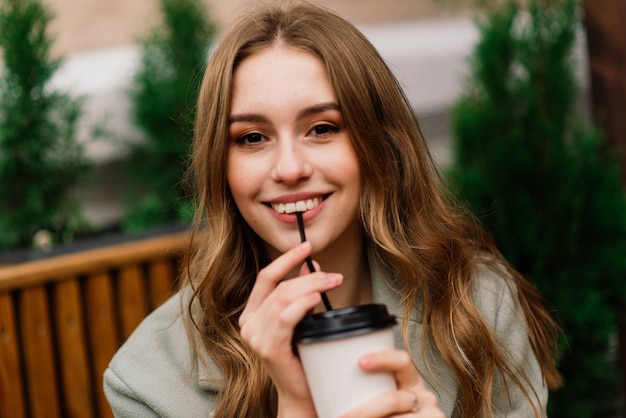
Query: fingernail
(303, 247)
(333, 278)
(366, 361)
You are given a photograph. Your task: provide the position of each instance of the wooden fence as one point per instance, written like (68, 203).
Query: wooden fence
(63, 318)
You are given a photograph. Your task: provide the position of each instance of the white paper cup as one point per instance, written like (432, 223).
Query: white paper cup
(330, 344)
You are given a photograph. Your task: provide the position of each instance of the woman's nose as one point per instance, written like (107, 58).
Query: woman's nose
(291, 163)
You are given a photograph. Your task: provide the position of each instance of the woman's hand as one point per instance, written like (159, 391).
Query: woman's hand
(411, 399)
(274, 308)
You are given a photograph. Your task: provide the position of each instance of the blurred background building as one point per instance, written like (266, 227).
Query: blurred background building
(83, 25)
(425, 42)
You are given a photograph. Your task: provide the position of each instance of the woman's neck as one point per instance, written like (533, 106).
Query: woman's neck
(357, 284)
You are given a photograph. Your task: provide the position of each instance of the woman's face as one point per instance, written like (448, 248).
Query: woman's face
(288, 150)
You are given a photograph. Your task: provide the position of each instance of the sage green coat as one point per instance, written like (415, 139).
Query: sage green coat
(154, 372)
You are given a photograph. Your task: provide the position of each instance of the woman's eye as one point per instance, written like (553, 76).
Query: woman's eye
(250, 139)
(324, 129)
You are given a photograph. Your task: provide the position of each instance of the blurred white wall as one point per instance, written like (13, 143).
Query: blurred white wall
(429, 57)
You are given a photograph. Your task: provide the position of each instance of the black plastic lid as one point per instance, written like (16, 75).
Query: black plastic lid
(340, 323)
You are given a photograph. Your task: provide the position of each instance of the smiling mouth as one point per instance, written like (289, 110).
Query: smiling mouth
(299, 206)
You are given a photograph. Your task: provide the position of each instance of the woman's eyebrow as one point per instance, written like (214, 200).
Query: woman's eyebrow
(318, 108)
(253, 117)
(245, 117)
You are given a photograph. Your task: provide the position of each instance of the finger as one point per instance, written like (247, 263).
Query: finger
(395, 403)
(274, 272)
(397, 361)
(289, 301)
(415, 402)
(427, 402)
(290, 292)
(272, 324)
(269, 333)
(305, 268)
(293, 313)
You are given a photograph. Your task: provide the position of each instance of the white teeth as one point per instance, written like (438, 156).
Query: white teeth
(299, 206)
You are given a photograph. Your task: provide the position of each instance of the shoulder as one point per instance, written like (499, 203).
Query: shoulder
(155, 370)
(495, 295)
(161, 334)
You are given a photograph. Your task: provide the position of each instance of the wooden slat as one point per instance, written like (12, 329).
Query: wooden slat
(132, 298)
(38, 353)
(77, 390)
(62, 374)
(161, 281)
(102, 330)
(12, 397)
(55, 268)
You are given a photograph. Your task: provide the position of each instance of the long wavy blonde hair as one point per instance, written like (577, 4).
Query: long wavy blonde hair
(412, 224)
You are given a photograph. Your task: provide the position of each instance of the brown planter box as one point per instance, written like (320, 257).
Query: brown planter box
(63, 317)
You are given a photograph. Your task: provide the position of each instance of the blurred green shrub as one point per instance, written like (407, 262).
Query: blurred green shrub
(40, 159)
(538, 175)
(163, 98)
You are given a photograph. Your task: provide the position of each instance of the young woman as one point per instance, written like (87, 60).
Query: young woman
(297, 108)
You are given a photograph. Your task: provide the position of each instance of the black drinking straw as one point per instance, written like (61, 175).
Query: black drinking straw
(309, 262)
